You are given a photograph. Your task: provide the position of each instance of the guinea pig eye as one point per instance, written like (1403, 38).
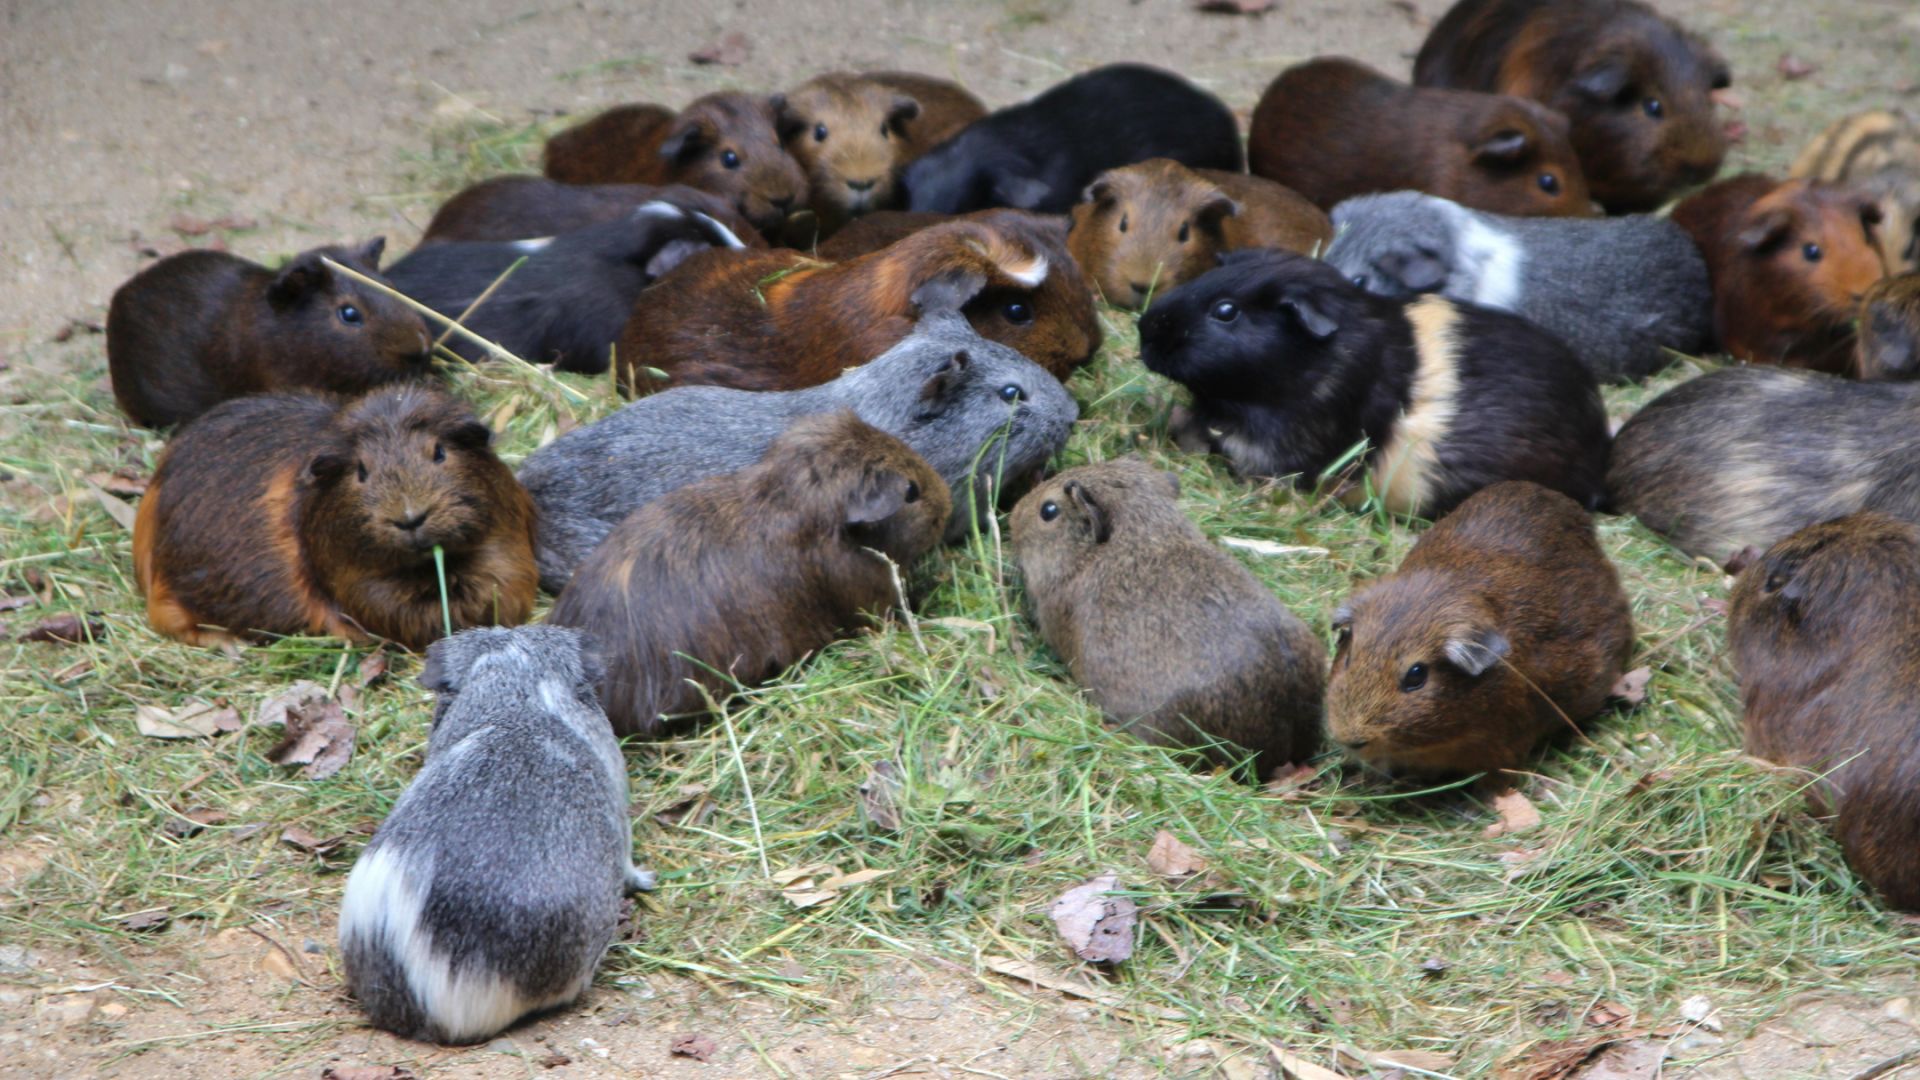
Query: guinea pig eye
(1775, 582)
(1018, 312)
(819, 133)
(1049, 510)
(1123, 223)
(1549, 183)
(1185, 231)
(1653, 108)
(1359, 281)
(1011, 393)
(1414, 679)
(439, 452)
(1225, 311)
(1812, 252)
(730, 159)
(913, 492)
(360, 471)
(351, 315)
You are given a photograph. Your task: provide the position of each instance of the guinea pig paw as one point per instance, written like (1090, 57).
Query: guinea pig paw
(639, 880)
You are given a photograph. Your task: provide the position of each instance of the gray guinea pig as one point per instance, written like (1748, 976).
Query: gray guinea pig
(494, 885)
(1620, 291)
(967, 405)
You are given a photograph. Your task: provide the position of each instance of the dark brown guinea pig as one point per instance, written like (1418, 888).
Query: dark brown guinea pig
(744, 574)
(869, 233)
(1176, 641)
(1505, 624)
(779, 320)
(1635, 86)
(1889, 345)
(1334, 128)
(197, 328)
(525, 207)
(1789, 262)
(306, 514)
(724, 143)
(1145, 228)
(1823, 630)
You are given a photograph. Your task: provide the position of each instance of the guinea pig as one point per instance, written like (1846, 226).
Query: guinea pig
(1889, 343)
(1291, 366)
(1157, 224)
(566, 303)
(1789, 263)
(1334, 128)
(1504, 625)
(1177, 642)
(984, 417)
(779, 320)
(1876, 153)
(527, 207)
(1745, 455)
(1041, 154)
(726, 143)
(853, 133)
(1625, 293)
(484, 897)
(296, 513)
(884, 228)
(200, 327)
(1822, 628)
(1635, 86)
(737, 577)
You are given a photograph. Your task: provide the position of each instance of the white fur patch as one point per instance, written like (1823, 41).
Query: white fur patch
(726, 234)
(1406, 469)
(1493, 258)
(1034, 273)
(660, 208)
(531, 245)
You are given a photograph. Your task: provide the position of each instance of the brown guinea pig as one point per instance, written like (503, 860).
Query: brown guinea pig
(1789, 262)
(869, 233)
(1877, 153)
(1145, 228)
(1505, 624)
(1822, 628)
(852, 133)
(1633, 84)
(779, 320)
(723, 143)
(1177, 642)
(297, 513)
(744, 574)
(1889, 345)
(1334, 128)
(200, 327)
(525, 207)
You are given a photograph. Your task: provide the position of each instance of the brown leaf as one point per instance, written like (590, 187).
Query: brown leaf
(1517, 814)
(880, 796)
(273, 711)
(1171, 858)
(1608, 1014)
(117, 509)
(1631, 688)
(1424, 1060)
(318, 737)
(301, 840)
(697, 1047)
(1233, 7)
(188, 225)
(811, 886)
(193, 822)
(1552, 1060)
(14, 603)
(1098, 926)
(150, 921)
(1639, 1059)
(731, 50)
(119, 483)
(366, 1072)
(373, 667)
(1290, 778)
(66, 628)
(194, 720)
(1792, 67)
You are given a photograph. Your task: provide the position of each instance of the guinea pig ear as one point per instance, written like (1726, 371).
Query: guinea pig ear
(1474, 651)
(1870, 215)
(1090, 507)
(903, 111)
(1419, 270)
(469, 435)
(1742, 559)
(786, 122)
(1021, 192)
(1768, 231)
(1505, 148)
(880, 495)
(447, 662)
(1343, 617)
(943, 383)
(296, 281)
(1310, 314)
(1213, 213)
(1100, 192)
(326, 468)
(1603, 81)
(949, 290)
(593, 664)
(686, 141)
(371, 251)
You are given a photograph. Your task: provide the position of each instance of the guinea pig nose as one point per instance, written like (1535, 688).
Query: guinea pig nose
(411, 522)
(782, 203)
(861, 185)
(1139, 288)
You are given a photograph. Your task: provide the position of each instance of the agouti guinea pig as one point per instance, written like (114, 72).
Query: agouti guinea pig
(1291, 365)
(780, 320)
(1041, 154)
(1177, 642)
(566, 303)
(1822, 629)
(438, 932)
(1625, 293)
(984, 417)
(527, 207)
(746, 573)
(853, 133)
(1745, 455)
(1154, 225)
(726, 143)
(1505, 624)
(1889, 345)
(1789, 262)
(1635, 86)
(295, 513)
(200, 327)
(1876, 153)
(1334, 128)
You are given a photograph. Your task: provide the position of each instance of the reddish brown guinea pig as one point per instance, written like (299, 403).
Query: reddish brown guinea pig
(1789, 262)
(1889, 346)
(725, 143)
(779, 320)
(1145, 228)
(525, 207)
(869, 233)
(306, 514)
(1334, 128)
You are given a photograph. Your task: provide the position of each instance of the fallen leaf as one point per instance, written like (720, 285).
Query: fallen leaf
(1296, 1067)
(1639, 1059)
(1171, 858)
(1433, 967)
(1290, 778)
(119, 483)
(1098, 926)
(273, 711)
(1233, 7)
(1608, 1014)
(188, 225)
(373, 667)
(1034, 975)
(1517, 814)
(697, 1047)
(366, 1072)
(1792, 67)
(318, 737)
(151, 920)
(301, 840)
(1631, 688)
(117, 509)
(78, 326)
(193, 822)
(553, 1060)
(66, 628)
(194, 720)
(731, 50)
(1425, 1060)
(1552, 1060)
(73, 671)
(880, 796)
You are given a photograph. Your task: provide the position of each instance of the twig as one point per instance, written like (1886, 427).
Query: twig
(900, 592)
(1888, 1065)
(485, 294)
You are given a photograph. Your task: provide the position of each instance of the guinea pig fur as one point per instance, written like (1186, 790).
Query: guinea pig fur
(1889, 343)
(1822, 629)
(1789, 263)
(1746, 455)
(970, 407)
(884, 228)
(1291, 365)
(289, 513)
(1504, 625)
(1334, 128)
(493, 887)
(780, 320)
(200, 327)
(1041, 154)
(1177, 642)
(748, 572)
(1625, 293)
(566, 303)
(1635, 86)
(1157, 224)
(727, 143)
(529, 207)
(1878, 154)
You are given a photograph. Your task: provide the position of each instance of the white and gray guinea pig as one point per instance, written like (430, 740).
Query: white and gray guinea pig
(494, 887)
(1621, 291)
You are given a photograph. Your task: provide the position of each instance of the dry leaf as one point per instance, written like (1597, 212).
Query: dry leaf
(1631, 688)
(301, 840)
(1290, 778)
(193, 822)
(1271, 549)
(365, 1072)
(1553, 1060)
(373, 667)
(1517, 814)
(1233, 7)
(1033, 974)
(1425, 1060)
(119, 483)
(1098, 926)
(1608, 1014)
(66, 628)
(150, 921)
(78, 326)
(1792, 67)
(697, 1047)
(880, 796)
(1170, 858)
(1295, 1067)
(553, 1060)
(194, 720)
(1640, 1059)
(117, 509)
(273, 711)
(318, 737)
(731, 50)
